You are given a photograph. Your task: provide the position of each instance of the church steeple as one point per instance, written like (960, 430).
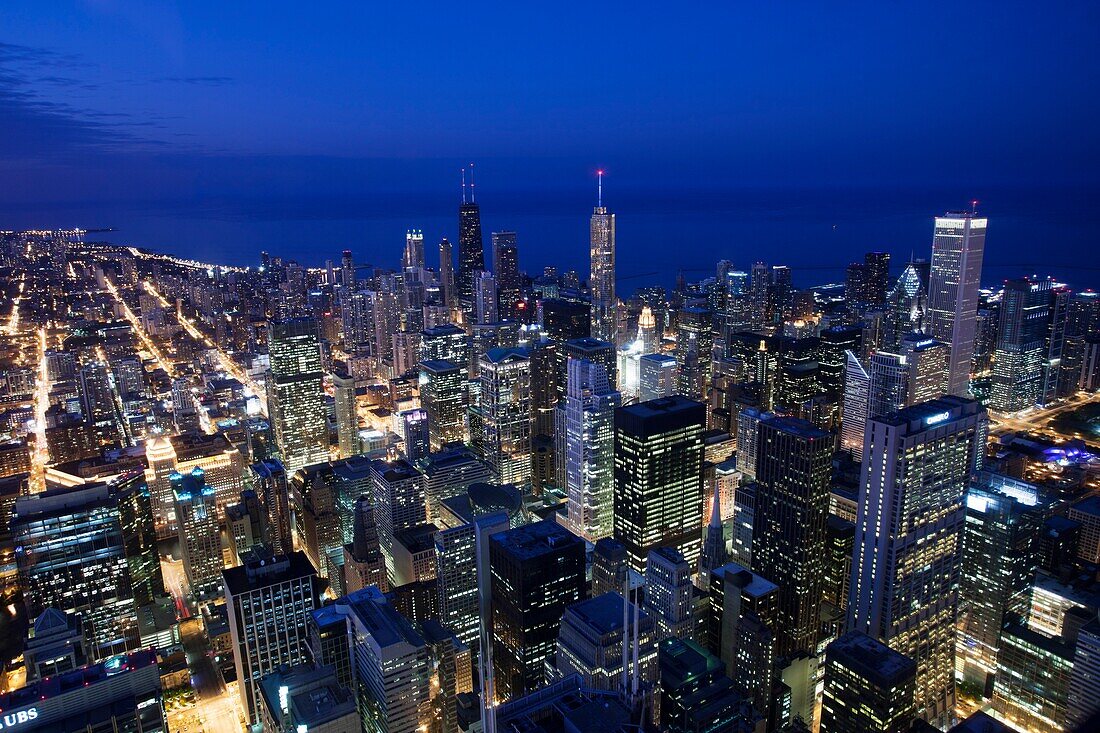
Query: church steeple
(714, 546)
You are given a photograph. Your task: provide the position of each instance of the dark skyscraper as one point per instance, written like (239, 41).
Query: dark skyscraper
(868, 687)
(998, 551)
(471, 246)
(537, 571)
(1021, 344)
(659, 478)
(793, 468)
(877, 269)
(446, 273)
(506, 270)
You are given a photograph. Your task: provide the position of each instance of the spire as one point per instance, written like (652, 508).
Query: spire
(716, 510)
(599, 189)
(472, 199)
(463, 184)
(714, 544)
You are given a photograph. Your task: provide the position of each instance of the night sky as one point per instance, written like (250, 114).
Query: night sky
(789, 131)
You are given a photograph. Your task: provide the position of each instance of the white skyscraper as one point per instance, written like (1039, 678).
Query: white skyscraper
(857, 391)
(957, 250)
(656, 376)
(485, 298)
(917, 464)
(586, 441)
(602, 279)
(414, 250)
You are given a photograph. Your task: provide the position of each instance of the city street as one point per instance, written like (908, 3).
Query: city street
(217, 707)
(1036, 421)
(231, 367)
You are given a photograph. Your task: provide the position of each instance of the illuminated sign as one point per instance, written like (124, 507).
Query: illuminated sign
(937, 418)
(18, 718)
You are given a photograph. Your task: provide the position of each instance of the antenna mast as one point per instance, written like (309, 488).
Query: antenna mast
(599, 188)
(473, 200)
(463, 184)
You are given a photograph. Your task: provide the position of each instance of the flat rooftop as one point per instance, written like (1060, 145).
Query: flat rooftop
(872, 659)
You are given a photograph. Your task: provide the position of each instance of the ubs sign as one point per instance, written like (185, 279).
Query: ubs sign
(11, 721)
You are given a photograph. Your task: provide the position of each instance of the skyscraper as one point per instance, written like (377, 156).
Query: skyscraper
(1082, 319)
(854, 410)
(485, 298)
(399, 502)
(695, 694)
(957, 249)
(868, 687)
(413, 256)
(659, 477)
(443, 395)
(457, 574)
(538, 570)
(917, 464)
(591, 638)
(759, 280)
(414, 432)
(295, 393)
(793, 470)
(586, 437)
(347, 414)
(471, 246)
(877, 268)
(506, 414)
(364, 564)
(446, 274)
(200, 544)
(1021, 344)
(73, 553)
(269, 601)
(744, 610)
(906, 306)
(391, 661)
(656, 377)
(601, 281)
(669, 593)
(506, 269)
(998, 554)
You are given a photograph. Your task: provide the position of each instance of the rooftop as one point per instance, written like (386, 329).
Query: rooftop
(662, 407)
(1089, 506)
(934, 412)
(604, 613)
(385, 625)
(399, 470)
(313, 695)
(539, 538)
(750, 583)
(420, 538)
(265, 571)
(439, 366)
(872, 659)
(60, 684)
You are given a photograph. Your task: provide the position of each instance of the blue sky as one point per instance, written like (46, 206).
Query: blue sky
(222, 110)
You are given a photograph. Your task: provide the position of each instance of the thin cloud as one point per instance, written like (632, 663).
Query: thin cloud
(37, 127)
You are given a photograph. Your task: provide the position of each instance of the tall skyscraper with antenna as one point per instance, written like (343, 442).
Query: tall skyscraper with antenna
(601, 281)
(471, 247)
(414, 250)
